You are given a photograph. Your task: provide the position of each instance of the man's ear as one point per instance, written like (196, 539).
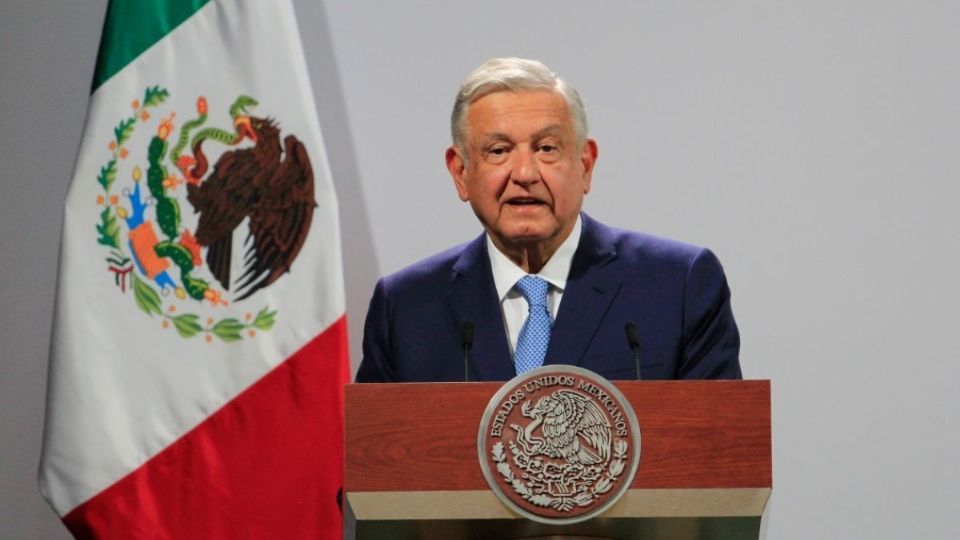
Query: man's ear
(588, 157)
(456, 165)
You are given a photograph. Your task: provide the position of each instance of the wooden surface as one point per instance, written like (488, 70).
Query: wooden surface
(423, 437)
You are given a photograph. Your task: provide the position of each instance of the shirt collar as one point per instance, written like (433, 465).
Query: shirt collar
(555, 272)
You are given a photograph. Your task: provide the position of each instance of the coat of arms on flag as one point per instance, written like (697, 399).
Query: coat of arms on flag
(199, 347)
(258, 183)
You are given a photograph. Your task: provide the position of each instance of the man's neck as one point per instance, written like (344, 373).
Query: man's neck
(530, 256)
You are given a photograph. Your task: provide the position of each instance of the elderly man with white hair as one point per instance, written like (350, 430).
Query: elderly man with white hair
(544, 283)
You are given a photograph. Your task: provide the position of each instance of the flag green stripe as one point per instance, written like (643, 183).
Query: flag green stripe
(132, 26)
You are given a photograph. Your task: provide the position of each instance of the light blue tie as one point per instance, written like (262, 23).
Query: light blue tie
(535, 334)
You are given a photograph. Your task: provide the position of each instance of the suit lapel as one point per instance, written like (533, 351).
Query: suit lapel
(591, 287)
(472, 297)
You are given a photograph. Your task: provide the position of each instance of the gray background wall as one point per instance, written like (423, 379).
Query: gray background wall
(813, 145)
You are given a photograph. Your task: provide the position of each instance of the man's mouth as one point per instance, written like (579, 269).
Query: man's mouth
(524, 201)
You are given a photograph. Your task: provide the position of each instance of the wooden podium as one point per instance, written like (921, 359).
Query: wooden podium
(412, 469)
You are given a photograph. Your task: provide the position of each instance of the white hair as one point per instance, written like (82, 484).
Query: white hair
(512, 75)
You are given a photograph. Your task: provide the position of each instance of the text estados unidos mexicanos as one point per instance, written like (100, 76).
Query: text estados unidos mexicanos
(532, 386)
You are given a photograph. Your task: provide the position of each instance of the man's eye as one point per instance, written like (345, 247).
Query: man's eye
(497, 154)
(548, 148)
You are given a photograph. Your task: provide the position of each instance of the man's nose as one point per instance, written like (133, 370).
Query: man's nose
(526, 170)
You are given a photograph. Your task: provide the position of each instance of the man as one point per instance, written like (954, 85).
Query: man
(545, 283)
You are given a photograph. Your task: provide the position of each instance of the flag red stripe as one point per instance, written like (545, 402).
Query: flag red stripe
(268, 464)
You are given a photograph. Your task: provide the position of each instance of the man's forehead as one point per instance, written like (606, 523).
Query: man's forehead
(538, 112)
(520, 99)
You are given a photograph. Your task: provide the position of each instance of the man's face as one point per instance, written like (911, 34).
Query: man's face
(523, 173)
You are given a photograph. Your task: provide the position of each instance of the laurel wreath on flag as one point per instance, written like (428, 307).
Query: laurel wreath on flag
(175, 248)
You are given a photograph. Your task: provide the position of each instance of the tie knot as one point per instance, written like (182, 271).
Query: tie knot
(534, 289)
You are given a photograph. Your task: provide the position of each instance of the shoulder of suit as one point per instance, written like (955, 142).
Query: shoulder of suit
(632, 246)
(433, 270)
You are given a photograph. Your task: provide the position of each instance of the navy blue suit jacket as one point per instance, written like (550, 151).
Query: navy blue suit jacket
(676, 294)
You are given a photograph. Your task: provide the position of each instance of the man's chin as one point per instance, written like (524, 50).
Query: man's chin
(526, 237)
(528, 233)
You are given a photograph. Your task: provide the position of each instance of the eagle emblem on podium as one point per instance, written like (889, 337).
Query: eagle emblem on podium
(559, 444)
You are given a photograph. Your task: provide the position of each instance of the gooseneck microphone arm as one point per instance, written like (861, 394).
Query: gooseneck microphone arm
(466, 343)
(634, 342)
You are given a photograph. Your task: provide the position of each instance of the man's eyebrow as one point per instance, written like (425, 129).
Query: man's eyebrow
(552, 129)
(487, 137)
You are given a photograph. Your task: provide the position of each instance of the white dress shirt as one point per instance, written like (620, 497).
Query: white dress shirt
(506, 274)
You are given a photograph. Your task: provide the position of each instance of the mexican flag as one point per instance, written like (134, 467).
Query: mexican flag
(199, 346)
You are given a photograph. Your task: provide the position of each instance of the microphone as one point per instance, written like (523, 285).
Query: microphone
(466, 343)
(634, 342)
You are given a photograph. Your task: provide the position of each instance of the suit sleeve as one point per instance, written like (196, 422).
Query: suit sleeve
(377, 363)
(711, 341)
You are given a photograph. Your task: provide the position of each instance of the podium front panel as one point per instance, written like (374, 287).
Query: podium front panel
(412, 469)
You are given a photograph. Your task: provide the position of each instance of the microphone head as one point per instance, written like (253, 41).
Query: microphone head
(467, 341)
(632, 338)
